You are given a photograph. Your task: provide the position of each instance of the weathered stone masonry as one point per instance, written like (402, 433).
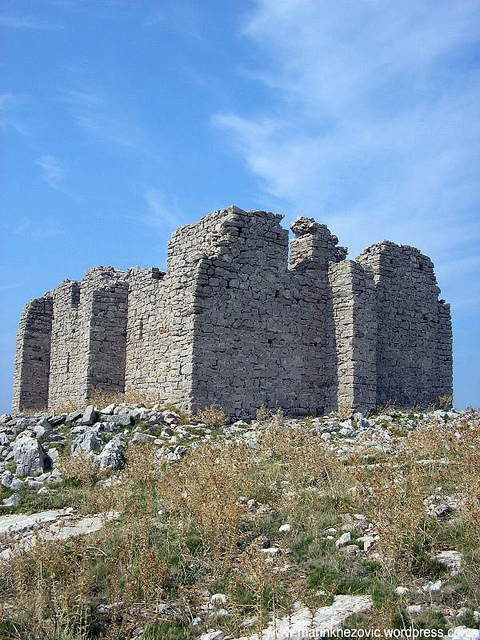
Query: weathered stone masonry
(231, 322)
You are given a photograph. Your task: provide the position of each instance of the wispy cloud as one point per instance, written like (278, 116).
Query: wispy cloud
(157, 17)
(372, 123)
(181, 16)
(11, 285)
(38, 230)
(26, 22)
(105, 120)
(53, 172)
(163, 211)
(9, 105)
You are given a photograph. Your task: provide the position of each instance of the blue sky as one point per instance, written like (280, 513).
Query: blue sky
(123, 119)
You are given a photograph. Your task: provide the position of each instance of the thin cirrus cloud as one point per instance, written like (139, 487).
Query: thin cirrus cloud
(10, 286)
(38, 230)
(9, 107)
(96, 116)
(182, 16)
(26, 22)
(162, 213)
(372, 122)
(53, 172)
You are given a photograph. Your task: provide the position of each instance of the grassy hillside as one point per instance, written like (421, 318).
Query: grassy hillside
(265, 514)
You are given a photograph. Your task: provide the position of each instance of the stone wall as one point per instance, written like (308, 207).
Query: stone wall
(106, 304)
(147, 349)
(68, 348)
(244, 337)
(414, 365)
(231, 322)
(88, 337)
(32, 355)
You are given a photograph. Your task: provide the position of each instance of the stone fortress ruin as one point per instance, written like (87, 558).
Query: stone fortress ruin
(235, 321)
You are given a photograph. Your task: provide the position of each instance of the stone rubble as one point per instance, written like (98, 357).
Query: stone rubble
(29, 456)
(451, 559)
(22, 531)
(27, 463)
(301, 622)
(30, 446)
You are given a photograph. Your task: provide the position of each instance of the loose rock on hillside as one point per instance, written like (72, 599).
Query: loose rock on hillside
(325, 505)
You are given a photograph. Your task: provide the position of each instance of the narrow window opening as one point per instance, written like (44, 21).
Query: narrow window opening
(68, 363)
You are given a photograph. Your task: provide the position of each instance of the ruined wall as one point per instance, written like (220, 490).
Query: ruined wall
(105, 295)
(354, 332)
(148, 334)
(32, 355)
(231, 322)
(186, 250)
(240, 335)
(259, 331)
(414, 364)
(442, 367)
(161, 316)
(365, 337)
(69, 344)
(313, 251)
(88, 336)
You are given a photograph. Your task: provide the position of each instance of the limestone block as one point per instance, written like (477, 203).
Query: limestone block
(29, 456)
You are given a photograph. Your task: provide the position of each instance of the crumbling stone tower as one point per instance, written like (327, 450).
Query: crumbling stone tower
(231, 322)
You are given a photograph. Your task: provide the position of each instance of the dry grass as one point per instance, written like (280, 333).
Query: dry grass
(67, 406)
(388, 408)
(212, 416)
(184, 527)
(433, 459)
(344, 411)
(27, 411)
(82, 484)
(100, 398)
(82, 469)
(445, 402)
(302, 461)
(199, 524)
(395, 504)
(53, 589)
(268, 417)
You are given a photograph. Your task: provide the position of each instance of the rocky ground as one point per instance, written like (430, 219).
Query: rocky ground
(45, 501)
